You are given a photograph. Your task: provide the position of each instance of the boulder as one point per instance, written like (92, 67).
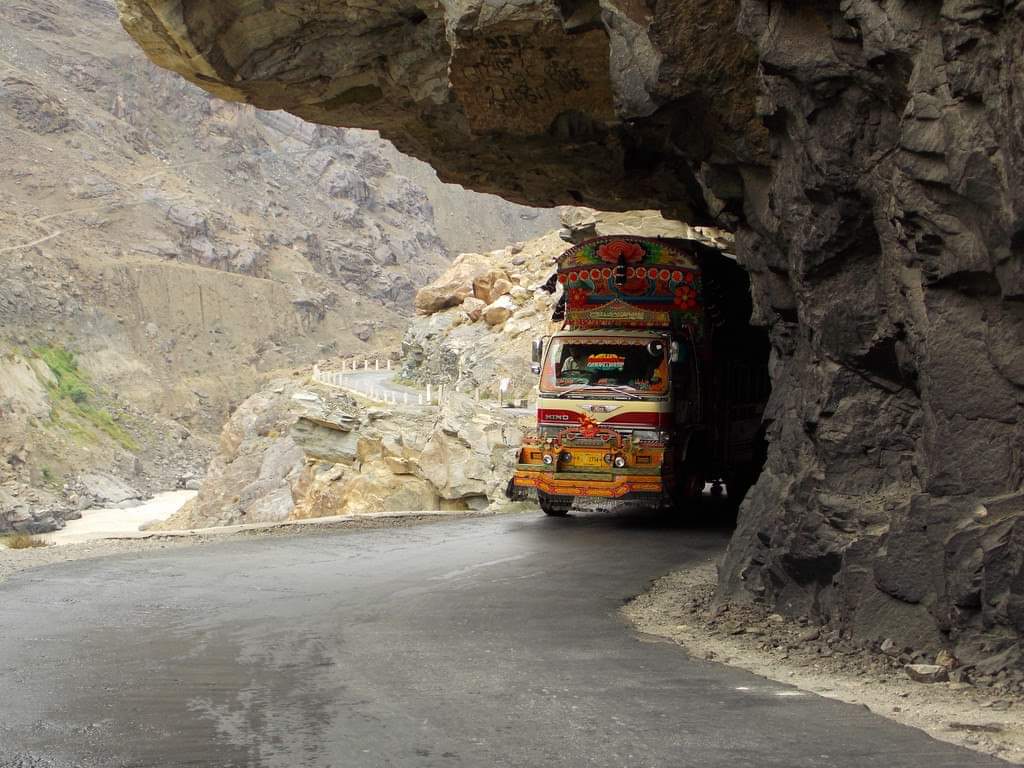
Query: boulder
(374, 488)
(927, 673)
(491, 284)
(106, 490)
(499, 311)
(437, 296)
(473, 307)
(453, 286)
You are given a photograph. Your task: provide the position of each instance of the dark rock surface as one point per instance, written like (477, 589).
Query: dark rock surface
(869, 158)
(886, 252)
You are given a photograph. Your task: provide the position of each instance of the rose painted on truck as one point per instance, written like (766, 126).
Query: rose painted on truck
(632, 253)
(685, 298)
(577, 297)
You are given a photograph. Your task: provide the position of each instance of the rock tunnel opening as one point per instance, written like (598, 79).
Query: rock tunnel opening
(740, 382)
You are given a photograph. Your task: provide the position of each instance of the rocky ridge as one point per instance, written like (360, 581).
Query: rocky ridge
(869, 159)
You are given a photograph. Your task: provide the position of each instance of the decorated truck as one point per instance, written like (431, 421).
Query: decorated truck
(654, 387)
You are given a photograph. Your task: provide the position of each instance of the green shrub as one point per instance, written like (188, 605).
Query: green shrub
(74, 390)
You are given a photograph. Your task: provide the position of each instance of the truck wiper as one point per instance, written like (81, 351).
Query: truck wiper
(622, 390)
(598, 387)
(573, 388)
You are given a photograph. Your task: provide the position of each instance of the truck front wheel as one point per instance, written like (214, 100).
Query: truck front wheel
(554, 506)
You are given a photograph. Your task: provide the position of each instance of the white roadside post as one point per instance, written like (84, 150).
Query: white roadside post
(376, 364)
(503, 386)
(430, 399)
(366, 365)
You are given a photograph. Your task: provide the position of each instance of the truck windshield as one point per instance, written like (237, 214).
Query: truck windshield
(639, 364)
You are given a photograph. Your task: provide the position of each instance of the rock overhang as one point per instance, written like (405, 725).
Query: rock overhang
(545, 103)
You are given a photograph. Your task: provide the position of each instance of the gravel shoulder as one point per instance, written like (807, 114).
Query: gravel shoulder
(984, 715)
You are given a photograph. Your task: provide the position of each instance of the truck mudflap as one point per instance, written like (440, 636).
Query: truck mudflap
(530, 479)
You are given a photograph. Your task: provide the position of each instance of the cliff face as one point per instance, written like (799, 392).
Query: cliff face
(886, 246)
(869, 159)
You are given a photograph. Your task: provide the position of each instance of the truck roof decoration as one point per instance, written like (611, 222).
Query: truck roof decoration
(631, 282)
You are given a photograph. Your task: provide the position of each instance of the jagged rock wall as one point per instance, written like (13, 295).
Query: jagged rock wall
(869, 157)
(886, 248)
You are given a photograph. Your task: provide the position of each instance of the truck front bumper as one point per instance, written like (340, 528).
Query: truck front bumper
(612, 484)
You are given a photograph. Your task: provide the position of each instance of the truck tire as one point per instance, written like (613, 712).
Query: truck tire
(554, 506)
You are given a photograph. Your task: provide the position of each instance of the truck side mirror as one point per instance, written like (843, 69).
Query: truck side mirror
(673, 352)
(538, 355)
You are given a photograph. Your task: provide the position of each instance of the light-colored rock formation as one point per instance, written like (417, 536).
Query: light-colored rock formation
(302, 451)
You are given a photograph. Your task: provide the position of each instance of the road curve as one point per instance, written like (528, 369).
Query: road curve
(491, 642)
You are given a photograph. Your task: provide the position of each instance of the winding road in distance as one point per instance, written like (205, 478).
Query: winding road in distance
(462, 644)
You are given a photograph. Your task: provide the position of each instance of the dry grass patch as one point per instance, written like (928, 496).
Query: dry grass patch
(22, 541)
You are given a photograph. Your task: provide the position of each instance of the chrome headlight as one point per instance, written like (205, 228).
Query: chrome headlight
(548, 459)
(566, 456)
(620, 462)
(650, 435)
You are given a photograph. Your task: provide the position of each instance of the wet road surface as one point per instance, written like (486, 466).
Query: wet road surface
(488, 642)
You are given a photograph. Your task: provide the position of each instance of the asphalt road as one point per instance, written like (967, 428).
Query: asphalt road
(489, 642)
(380, 381)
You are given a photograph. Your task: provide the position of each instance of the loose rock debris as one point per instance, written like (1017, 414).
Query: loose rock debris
(949, 702)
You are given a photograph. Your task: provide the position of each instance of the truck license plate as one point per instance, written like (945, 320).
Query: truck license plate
(589, 460)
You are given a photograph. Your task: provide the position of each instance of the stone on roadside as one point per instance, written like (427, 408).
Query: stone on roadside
(501, 287)
(499, 311)
(927, 673)
(946, 659)
(961, 676)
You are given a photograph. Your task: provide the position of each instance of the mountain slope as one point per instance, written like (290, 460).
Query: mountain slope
(181, 249)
